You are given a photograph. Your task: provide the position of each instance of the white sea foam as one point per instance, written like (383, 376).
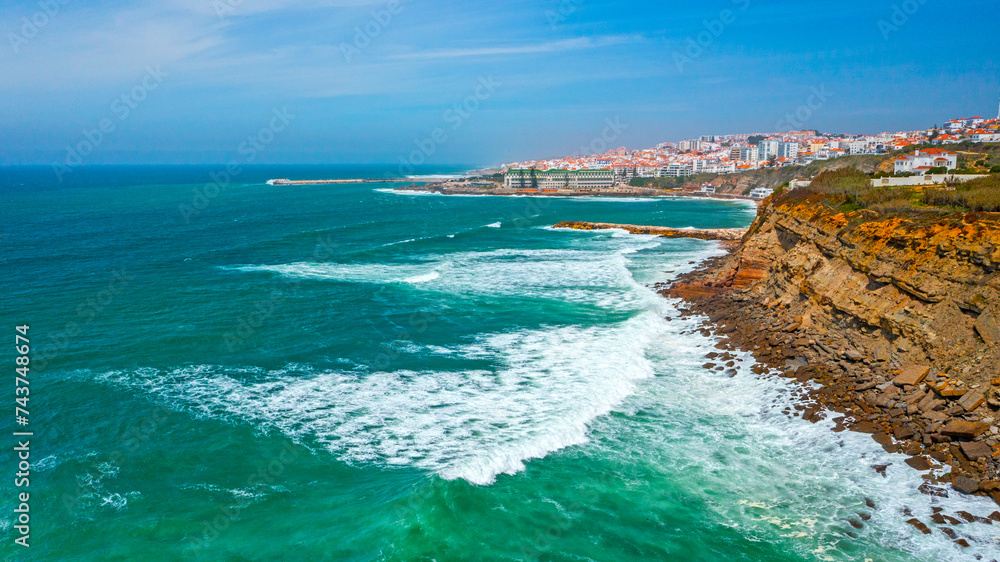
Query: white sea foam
(727, 441)
(544, 389)
(548, 386)
(494, 225)
(580, 274)
(423, 278)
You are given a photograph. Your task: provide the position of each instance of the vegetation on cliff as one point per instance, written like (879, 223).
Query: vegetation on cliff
(849, 189)
(981, 195)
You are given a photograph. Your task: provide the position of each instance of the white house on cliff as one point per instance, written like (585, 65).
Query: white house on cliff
(924, 160)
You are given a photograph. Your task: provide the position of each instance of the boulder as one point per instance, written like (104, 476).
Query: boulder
(972, 400)
(964, 429)
(923, 528)
(919, 463)
(942, 519)
(853, 355)
(976, 450)
(935, 416)
(865, 427)
(988, 327)
(965, 484)
(912, 375)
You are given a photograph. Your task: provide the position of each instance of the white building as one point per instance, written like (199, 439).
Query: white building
(761, 192)
(856, 147)
(686, 145)
(788, 150)
(677, 169)
(768, 149)
(924, 160)
(745, 154)
(986, 137)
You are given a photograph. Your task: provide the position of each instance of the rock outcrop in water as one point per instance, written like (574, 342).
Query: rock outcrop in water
(666, 232)
(897, 317)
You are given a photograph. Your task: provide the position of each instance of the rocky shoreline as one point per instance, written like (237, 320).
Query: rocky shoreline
(729, 234)
(895, 319)
(457, 188)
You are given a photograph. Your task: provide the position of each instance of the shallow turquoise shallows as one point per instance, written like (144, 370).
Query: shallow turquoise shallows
(343, 372)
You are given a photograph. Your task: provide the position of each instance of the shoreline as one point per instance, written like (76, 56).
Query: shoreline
(624, 194)
(755, 300)
(288, 182)
(778, 347)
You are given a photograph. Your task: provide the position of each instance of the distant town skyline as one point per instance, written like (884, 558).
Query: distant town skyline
(361, 81)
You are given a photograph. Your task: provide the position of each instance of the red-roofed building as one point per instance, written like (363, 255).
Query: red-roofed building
(924, 160)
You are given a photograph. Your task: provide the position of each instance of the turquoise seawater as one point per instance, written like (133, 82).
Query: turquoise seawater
(346, 373)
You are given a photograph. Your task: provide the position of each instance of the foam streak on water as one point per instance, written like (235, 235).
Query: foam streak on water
(547, 386)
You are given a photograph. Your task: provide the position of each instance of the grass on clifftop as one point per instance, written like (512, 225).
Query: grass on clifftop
(849, 189)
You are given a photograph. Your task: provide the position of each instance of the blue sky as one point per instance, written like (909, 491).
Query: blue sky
(211, 73)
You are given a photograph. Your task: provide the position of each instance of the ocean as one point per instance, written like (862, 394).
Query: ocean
(228, 370)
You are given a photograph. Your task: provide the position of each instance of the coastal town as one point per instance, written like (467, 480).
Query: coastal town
(624, 170)
(727, 154)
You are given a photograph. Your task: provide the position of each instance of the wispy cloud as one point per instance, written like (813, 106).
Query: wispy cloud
(548, 47)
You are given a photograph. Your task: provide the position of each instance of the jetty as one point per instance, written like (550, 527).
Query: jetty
(666, 232)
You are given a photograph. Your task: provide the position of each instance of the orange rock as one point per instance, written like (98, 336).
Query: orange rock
(912, 375)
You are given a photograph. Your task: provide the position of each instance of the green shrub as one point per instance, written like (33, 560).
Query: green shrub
(881, 195)
(893, 206)
(844, 180)
(978, 195)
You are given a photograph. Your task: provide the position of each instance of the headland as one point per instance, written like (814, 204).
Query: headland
(888, 314)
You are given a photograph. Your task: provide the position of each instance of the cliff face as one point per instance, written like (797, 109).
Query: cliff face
(898, 317)
(926, 292)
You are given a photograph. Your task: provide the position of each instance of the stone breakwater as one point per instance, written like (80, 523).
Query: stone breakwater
(729, 234)
(898, 320)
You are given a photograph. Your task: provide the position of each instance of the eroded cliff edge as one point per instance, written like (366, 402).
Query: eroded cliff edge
(898, 317)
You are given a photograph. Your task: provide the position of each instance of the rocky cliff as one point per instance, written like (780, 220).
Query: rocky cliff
(898, 318)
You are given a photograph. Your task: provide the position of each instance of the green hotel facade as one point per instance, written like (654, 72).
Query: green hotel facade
(559, 179)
